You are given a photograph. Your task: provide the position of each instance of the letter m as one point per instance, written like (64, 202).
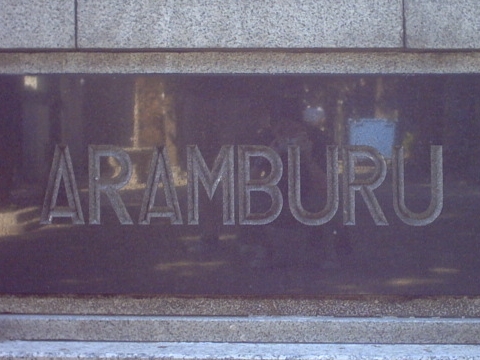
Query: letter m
(222, 171)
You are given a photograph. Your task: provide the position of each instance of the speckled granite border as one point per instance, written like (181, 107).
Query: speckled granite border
(173, 351)
(445, 24)
(358, 306)
(271, 329)
(245, 62)
(37, 24)
(240, 24)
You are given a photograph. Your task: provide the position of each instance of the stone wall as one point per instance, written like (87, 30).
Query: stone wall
(236, 36)
(79, 25)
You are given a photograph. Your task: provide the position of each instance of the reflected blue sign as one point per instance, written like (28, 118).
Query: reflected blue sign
(377, 133)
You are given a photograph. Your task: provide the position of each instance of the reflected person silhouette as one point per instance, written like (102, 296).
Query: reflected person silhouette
(287, 242)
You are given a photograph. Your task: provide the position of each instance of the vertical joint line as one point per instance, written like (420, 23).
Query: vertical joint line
(404, 25)
(76, 23)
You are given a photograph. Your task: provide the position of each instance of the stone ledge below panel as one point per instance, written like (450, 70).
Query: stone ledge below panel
(245, 351)
(258, 329)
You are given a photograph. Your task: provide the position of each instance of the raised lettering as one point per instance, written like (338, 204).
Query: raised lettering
(110, 187)
(160, 170)
(294, 189)
(62, 169)
(365, 186)
(222, 171)
(265, 184)
(436, 188)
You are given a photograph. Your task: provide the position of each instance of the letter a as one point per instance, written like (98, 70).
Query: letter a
(160, 168)
(62, 169)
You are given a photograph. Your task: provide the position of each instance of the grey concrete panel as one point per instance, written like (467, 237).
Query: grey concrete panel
(442, 24)
(199, 24)
(241, 329)
(264, 62)
(40, 24)
(173, 351)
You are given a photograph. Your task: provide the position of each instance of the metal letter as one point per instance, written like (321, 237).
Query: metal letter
(109, 186)
(61, 169)
(365, 186)
(436, 188)
(223, 170)
(160, 168)
(294, 190)
(266, 184)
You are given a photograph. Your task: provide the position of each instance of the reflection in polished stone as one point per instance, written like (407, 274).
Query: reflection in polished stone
(239, 185)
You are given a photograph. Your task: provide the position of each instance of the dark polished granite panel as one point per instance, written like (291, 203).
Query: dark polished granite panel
(240, 185)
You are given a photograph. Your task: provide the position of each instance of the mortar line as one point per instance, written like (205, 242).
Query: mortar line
(76, 23)
(404, 25)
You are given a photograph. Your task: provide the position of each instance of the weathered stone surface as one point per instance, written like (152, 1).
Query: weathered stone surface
(37, 24)
(240, 329)
(132, 350)
(251, 62)
(240, 24)
(442, 24)
(366, 306)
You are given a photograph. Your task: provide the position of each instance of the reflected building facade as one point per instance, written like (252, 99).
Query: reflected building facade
(139, 113)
